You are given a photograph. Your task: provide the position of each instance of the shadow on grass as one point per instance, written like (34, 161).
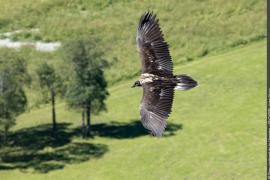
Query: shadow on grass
(47, 160)
(40, 150)
(127, 130)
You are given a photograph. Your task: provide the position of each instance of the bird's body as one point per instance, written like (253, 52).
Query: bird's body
(157, 77)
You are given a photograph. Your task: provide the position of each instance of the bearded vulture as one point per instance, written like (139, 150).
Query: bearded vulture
(157, 77)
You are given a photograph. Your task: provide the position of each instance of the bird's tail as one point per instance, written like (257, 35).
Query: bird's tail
(184, 82)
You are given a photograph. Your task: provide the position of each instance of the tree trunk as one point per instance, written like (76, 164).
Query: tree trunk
(88, 114)
(53, 111)
(83, 123)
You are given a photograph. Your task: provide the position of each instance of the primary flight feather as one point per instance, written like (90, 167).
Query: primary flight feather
(157, 77)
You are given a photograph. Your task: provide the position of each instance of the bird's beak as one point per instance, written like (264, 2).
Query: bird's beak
(133, 86)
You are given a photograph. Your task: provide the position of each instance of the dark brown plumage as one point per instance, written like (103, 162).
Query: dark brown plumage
(153, 49)
(157, 77)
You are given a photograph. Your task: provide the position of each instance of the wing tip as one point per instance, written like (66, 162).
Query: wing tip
(146, 17)
(157, 134)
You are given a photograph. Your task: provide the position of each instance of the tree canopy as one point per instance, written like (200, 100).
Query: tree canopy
(50, 82)
(87, 89)
(13, 101)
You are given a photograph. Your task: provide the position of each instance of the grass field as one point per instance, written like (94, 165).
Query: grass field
(215, 131)
(193, 28)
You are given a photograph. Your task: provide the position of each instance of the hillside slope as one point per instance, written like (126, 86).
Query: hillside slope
(216, 131)
(192, 28)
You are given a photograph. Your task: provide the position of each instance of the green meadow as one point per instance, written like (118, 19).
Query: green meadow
(193, 29)
(215, 131)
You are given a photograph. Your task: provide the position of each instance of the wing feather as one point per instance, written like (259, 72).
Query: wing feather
(155, 107)
(154, 50)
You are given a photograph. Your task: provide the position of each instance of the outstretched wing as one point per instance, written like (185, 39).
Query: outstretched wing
(154, 51)
(155, 107)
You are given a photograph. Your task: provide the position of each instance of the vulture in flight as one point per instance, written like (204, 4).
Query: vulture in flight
(157, 78)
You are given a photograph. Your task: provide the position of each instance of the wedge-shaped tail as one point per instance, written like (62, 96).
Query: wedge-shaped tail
(185, 82)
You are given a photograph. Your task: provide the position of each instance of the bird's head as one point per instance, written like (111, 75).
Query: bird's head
(136, 84)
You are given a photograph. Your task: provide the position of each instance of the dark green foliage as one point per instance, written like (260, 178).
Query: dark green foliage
(50, 82)
(13, 101)
(88, 83)
(87, 89)
(48, 77)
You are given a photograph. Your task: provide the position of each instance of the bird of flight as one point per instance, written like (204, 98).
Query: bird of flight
(157, 77)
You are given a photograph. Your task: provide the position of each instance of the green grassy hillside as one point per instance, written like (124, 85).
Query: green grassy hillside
(216, 131)
(192, 28)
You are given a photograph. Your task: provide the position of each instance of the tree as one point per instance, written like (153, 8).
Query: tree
(51, 83)
(87, 89)
(13, 101)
